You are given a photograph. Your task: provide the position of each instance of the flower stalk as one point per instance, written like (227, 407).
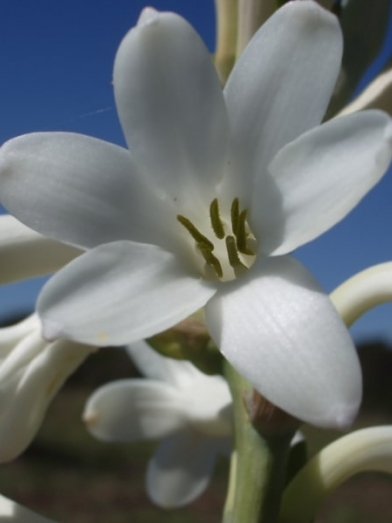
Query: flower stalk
(258, 465)
(363, 291)
(252, 15)
(363, 450)
(226, 37)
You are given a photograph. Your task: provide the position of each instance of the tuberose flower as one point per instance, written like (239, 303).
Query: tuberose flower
(215, 191)
(31, 372)
(188, 409)
(26, 254)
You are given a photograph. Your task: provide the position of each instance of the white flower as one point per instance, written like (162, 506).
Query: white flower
(215, 191)
(190, 410)
(25, 253)
(31, 372)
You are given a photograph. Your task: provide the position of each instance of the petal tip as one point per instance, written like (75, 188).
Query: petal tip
(90, 418)
(342, 416)
(314, 17)
(52, 330)
(148, 15)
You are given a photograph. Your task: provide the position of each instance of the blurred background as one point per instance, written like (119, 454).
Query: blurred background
(56, 62)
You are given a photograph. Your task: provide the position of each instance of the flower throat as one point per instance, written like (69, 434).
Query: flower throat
(235, 250)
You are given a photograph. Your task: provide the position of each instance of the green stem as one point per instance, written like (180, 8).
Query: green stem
(258, 467)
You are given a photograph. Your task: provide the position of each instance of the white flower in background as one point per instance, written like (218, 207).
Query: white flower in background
(25, 253)
(188, 409)
(215, 191)
(31, 372)
(11, 512)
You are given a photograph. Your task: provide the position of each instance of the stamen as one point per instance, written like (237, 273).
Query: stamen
(216, 222)
(195, 233)
(211, 259)
(232, 253)
(241, 234)
(240, 243)
(235, 214)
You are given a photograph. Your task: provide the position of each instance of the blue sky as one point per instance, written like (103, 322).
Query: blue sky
(56, 62)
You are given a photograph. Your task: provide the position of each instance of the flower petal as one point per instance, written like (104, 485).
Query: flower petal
(30, 376)
(207, 398)
(133, 410)
(171, 106)
(10, 336)
(11, 512)
(281, 332)
(26, 254)
(281, 85)
(178, 373)
(119, 293)
(181, 469)
(320, 177)
(78, 190)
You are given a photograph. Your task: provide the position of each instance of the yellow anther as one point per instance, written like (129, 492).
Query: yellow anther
(211, 260)
(232, 263)
(232, 253)
(216, 222)
(235, 214)
(241, 234)
(195, 233)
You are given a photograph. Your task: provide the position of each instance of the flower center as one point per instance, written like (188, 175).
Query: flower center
(228, 247)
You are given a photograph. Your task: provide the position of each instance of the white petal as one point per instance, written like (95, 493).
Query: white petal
(321, 177)
(180, 470)
(207, 399)
(281, 332)
(11, 512)
(133, 410)
(118, 293)
(154, 366)
(281, 85)
(171, 107)
(10, 336)
(30, 376)
(26, 254)
(77, 189)
(210, 406)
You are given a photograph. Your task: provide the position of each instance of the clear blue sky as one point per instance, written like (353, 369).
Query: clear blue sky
(56, 60)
